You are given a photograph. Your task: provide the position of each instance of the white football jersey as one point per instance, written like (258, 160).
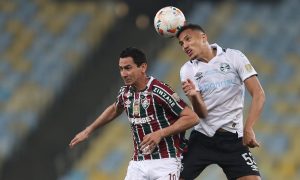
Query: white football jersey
(221, 83)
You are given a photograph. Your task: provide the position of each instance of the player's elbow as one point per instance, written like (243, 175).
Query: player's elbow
(195, 119)
(191, 118)
(203, 114)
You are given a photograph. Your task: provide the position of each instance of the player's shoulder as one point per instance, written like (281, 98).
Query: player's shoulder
(158, 86)
(186, 66)
(233, 52)
(159, 83)
(123, 89)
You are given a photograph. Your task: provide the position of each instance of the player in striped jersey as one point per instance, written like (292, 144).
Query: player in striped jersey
(158, 118)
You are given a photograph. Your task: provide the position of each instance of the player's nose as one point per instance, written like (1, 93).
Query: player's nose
(123, 74)
(185, 46)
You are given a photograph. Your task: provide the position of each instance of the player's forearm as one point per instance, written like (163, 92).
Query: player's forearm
(108, 115)
(255, 110)
(187, 120)
(198, 105)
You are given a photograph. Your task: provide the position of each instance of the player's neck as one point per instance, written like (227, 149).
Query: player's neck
(208, 55)
(142, 84)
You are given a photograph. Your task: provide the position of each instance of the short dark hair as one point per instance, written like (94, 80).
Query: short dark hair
(137, 55)
(189, 26)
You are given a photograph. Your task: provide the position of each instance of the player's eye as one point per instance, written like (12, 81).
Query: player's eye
(180, 43)
(127, 68)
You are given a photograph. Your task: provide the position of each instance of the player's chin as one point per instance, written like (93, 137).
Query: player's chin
(127, 82)
(191, 56)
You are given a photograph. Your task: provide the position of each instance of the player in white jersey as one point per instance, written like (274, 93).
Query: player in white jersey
(217, 77)
(158, 118)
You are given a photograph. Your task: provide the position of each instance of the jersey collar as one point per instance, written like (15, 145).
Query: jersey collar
(216, 46)
(219, 48)
(132, 88)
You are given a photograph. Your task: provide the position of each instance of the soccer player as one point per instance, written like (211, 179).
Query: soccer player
(158, 118)
(217, 77)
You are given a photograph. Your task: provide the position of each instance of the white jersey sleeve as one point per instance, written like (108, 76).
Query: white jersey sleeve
(242, 65)
(187, 72)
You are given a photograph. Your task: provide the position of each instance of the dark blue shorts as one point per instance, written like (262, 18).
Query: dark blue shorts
(224, 149)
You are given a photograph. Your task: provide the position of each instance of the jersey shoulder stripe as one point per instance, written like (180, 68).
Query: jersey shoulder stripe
(122, 90)
(164, 95)
(165, 87)
(120, 97)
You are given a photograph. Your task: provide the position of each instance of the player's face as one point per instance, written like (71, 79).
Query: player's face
(193, 43)
(130, 72)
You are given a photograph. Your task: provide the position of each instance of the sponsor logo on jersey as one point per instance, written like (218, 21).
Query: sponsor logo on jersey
(176, 97)
(198, 76)
(141, 120)
(224, 67)
(216, 85)
(165, 96)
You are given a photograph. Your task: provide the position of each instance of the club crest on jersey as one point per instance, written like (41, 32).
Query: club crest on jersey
(198, 75)
(224, 67)
(145, 103)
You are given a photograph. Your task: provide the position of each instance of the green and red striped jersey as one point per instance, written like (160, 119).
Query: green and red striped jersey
(154, 108)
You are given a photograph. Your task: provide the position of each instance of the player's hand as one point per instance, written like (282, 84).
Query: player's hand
(249, 138)
(83, 135)
(189, 88)
(150, 141)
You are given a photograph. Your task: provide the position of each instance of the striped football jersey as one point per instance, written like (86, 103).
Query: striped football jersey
(154, 108)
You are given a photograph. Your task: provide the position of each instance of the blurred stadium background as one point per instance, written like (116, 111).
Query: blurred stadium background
(58, 70)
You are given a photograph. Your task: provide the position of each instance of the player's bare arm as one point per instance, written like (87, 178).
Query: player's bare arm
(109, 114)
(187, 120)
(195, 97)
(258, 98)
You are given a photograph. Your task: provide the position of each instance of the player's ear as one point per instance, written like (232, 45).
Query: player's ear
(144, 67)
(204, 37)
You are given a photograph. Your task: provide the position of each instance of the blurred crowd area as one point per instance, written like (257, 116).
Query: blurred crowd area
(58, 70)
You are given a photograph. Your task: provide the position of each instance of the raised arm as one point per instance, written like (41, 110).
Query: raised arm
(258, 98)
(109, 114)
(195, 97)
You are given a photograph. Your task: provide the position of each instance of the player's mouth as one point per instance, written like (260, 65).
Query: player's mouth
(126, 81)
(189, 52)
